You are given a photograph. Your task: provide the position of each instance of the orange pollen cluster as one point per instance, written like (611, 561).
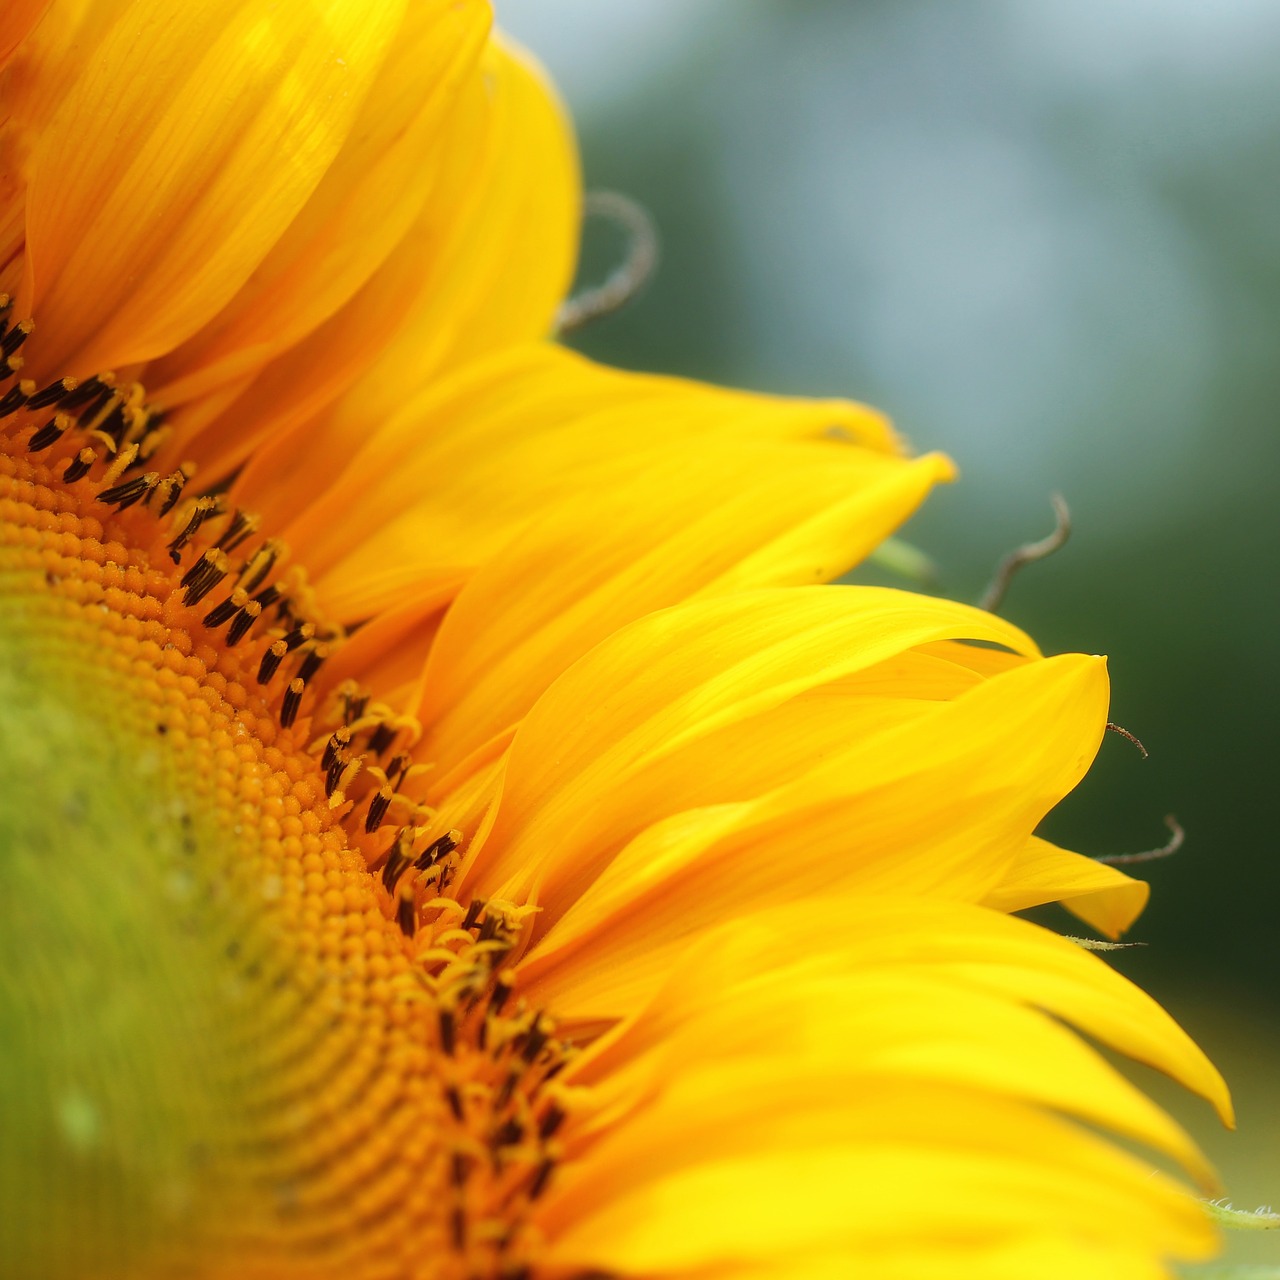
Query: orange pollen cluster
(395, 1114)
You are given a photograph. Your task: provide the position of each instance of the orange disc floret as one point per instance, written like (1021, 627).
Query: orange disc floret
(325, 1077)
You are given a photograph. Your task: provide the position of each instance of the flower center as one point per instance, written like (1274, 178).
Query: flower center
(247, 1032)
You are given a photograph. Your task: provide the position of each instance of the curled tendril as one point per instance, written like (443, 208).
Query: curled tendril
(625, 280)
(1171, 846)
(1029, 552)
(1112, 727)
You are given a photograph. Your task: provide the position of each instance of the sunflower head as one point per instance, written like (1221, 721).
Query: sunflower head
(447, 827)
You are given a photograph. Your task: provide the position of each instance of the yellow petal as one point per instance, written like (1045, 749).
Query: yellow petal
(867, 1027)
(190, 141)
(39, 44)
(388, 653)
(507, 254)
(720, 515)
(1044, 1256)
(293, 389)
(867, 1040)
(365, 203)
(939, 806)
(485, 265)
(731, 1165)
(444, 484)
(779, 745)
(16, 21)
(11, 213)
(971, 947)
(1100, 895)
(664, 686)
(49, 44)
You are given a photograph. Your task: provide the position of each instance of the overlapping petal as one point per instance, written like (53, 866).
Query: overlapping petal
(485, 263)
(893, 1043)
(1100, 895)
(16, 22)
(662, 718)
(732, 801)
(974, 948)
(153, 196)
(444, 485)
(716, 517)
(844, 1173)
(362, 208)
(507, 240)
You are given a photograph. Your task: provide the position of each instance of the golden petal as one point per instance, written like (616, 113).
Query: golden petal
(664, 688)
(175, 161)
(1100, 895)
(363, 207)
(485, 264)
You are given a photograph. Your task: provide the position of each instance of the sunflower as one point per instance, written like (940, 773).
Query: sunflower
(451, 828)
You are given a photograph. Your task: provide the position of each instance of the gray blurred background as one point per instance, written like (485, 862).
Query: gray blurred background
(1045, 236)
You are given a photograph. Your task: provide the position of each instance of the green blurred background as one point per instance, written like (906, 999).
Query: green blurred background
(1045, 236)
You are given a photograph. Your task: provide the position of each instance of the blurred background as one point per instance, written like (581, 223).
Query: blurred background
(1045, 237)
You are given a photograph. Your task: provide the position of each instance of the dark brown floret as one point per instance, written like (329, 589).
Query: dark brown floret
(52, 394)
(48, 435)
(124, 495)
(240, 625)
(292, 701)
(80, 465)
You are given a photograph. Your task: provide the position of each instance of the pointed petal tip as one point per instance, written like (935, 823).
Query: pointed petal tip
(944, 468)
